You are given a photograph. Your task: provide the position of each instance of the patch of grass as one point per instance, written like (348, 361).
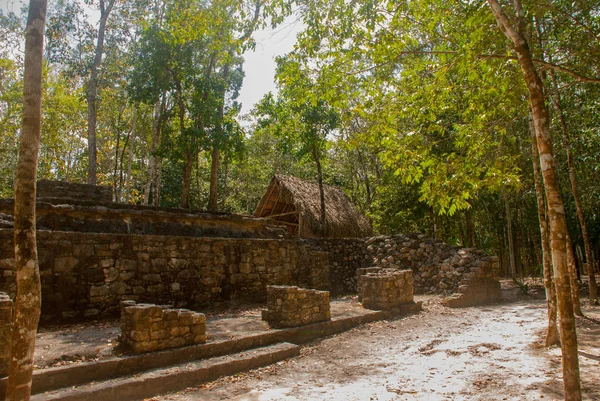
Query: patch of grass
(523, 286)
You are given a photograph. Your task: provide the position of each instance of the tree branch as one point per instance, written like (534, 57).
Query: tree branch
(556, 67)
(504, 23)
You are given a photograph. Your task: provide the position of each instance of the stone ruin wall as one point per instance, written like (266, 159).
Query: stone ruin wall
(49, 189)
(438, 268)
(87, 275)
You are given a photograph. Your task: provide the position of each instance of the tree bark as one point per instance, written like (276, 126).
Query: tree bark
(92, 91)
(573, 279)
(556, 210)
(29, 297)
(552, 332)
(130, 157)
(323, 215)
(572, 177)
(159, 109)
(509, 233)
(213, 197)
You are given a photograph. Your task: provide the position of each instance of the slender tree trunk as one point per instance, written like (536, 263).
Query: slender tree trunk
(93, 88)
(157, 182)
(552, 333)
(323, 216)
(29, 297)
(159, 109)
(115, 187)
(556, 209)
(130, 157)
(509, 233)
(573, 279)
(213, 197)
(469, 228)
(586, 236)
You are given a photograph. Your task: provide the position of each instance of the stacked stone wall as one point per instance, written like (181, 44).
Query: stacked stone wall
(87, 275)
(383, 289)
(438, 268)
(292, 306)
(147, 327)
(6, 320)
(115, 218)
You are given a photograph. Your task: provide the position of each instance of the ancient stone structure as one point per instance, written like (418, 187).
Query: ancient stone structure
(93, 255)
(292, 306)
(384, 289)
(87, 275)
(116, 218)
(437, 268)
(147, 327)
(6, 320)
(47, 189)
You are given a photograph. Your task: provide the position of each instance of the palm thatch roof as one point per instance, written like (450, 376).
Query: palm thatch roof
(297, 203)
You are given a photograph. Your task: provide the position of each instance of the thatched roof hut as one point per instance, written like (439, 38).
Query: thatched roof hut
(297, 204)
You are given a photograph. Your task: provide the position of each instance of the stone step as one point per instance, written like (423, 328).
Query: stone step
(174, 378)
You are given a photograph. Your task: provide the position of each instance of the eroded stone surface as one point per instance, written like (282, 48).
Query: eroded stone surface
(383, 289)
(147, 327)
(290, 306)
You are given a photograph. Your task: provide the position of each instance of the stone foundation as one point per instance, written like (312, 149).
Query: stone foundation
(48, 189)
(386, 288)
(478, 292)
(293, 306)
(147, 327)
(6, 321)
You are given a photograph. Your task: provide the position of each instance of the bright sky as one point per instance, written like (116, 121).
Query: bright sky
(259, 65)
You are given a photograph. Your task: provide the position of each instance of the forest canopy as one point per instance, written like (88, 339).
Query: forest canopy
(417, 110)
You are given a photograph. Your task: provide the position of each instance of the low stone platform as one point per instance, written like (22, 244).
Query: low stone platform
(479, 291)
(383, 289)
(228, 333)
(290, 306)
(147, 327)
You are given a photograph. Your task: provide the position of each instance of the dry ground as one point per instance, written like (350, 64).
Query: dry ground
(485, 353)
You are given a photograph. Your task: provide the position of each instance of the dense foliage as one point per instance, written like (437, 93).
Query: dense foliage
(417, 109)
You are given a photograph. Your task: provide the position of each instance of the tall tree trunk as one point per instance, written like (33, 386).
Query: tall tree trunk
(187, 178)
(115, 187)
(213, 196)
(509, 233)
(469, 228)
(105, 10)
(573, 279)
(556, 209)
(556, 101)
(323, 216)
(159, 109)
(157, 182)
(552, 333)
(130, 157)
(28, 299)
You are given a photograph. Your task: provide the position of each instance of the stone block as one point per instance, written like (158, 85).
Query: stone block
(292, 306)
(386, 289)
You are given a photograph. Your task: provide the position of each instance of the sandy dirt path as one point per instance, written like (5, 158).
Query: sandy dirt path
(486, 353)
